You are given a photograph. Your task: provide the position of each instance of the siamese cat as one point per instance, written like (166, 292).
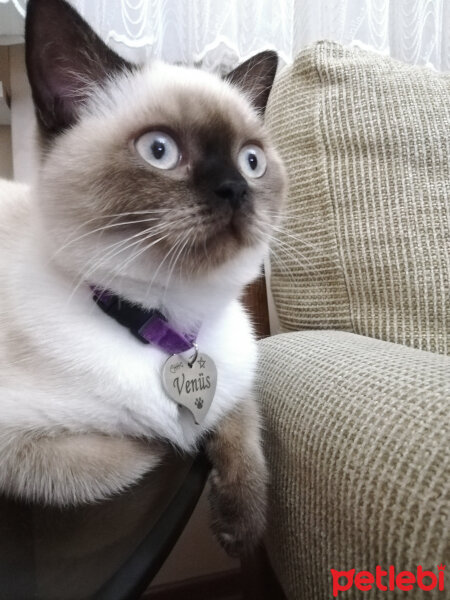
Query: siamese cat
(158, 187)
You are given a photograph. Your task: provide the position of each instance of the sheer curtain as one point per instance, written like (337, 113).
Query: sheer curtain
(220, 33)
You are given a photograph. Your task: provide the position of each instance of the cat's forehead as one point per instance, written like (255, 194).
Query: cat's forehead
(185, 99)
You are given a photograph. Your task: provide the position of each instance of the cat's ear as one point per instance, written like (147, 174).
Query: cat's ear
(64, 57)
(255, 77)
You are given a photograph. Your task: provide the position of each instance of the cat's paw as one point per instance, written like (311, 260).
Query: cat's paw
(238, 509)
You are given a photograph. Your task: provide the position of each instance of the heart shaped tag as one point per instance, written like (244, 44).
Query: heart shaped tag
(191, 384)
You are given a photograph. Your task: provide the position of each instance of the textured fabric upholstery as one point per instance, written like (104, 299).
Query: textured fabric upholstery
(366, 141)
(357, 439)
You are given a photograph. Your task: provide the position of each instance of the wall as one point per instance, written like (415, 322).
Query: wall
(6, 164)
(6, 167)
(22, 118)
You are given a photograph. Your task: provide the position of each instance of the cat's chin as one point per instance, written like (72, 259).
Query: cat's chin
(230, 237)
(224, 245)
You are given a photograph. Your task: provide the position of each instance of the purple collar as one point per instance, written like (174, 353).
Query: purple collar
(148, 325)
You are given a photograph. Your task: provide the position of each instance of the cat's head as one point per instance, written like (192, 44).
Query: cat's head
(149, 172)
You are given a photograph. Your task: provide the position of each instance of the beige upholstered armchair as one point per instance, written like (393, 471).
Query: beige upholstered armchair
(356, 390)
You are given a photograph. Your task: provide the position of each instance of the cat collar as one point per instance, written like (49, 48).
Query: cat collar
(148, 325)
(190, 383)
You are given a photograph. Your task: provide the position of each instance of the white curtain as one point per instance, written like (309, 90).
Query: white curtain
(220, 33)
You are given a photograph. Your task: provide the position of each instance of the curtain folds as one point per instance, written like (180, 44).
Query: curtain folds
(220, 33)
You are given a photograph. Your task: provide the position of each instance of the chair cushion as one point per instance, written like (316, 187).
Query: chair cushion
(356, 437)
(366, 141)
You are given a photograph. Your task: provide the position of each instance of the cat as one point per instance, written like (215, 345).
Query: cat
(160, 186)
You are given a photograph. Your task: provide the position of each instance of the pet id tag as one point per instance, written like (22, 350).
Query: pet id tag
(191, 383)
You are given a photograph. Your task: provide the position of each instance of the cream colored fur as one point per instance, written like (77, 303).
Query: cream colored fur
(69, 375)
(81, 401)
(79, 394)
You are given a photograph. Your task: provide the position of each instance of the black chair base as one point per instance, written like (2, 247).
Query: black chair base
(105, 551)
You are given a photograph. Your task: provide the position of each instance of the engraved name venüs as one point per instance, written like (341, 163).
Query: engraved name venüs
(191, 384)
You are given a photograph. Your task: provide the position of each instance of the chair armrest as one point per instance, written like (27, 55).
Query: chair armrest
(357, 440)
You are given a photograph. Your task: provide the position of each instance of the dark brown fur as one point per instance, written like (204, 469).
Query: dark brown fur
(238, 495)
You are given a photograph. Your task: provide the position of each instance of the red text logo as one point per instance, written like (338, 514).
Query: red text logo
(388, 580)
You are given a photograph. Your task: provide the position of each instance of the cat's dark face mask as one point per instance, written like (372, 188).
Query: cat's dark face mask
(148, 171)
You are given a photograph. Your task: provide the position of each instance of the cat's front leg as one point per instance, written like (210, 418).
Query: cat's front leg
(238, 495)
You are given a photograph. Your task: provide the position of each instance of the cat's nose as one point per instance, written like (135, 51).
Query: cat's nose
(234, 191)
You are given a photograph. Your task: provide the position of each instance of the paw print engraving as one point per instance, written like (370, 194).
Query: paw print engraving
(198, 403)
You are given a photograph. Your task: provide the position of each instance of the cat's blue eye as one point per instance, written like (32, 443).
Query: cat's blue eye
(252, 161)
(159, 149)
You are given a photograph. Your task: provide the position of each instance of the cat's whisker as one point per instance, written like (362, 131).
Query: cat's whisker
(108, 251)
(161, 211)
(290, 250)
(280, 230)
(155, 275)
(193, 246)
(277, 259)
(174, 250)
(101, 229)
(282, 265)
(148, 233)
(184, 253)
(164, 227)
(287, 250)
(273, 256)
(283, 231)
(182, 245)
(86, 275)
(180, 221)
(126, 262)
(133, 257)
